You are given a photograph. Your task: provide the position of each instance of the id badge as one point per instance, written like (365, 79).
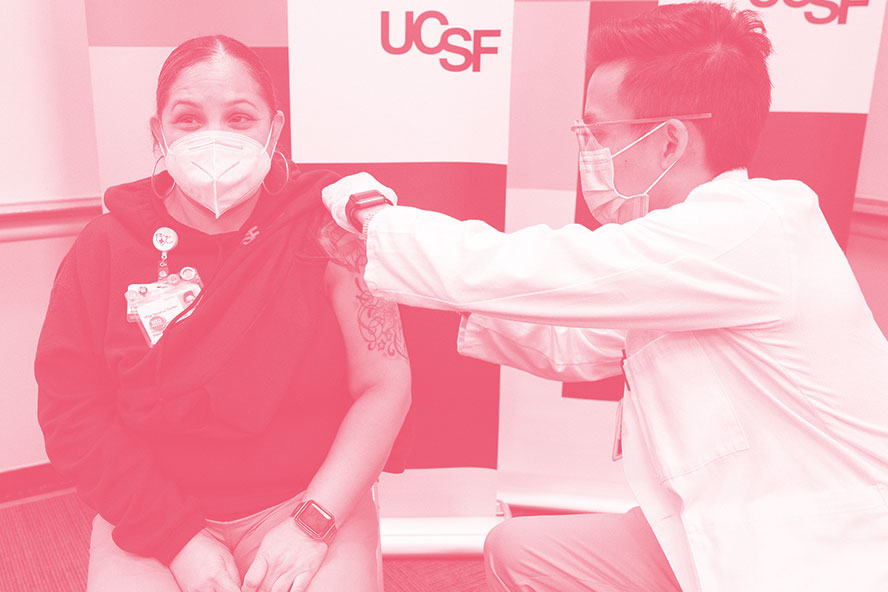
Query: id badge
(136, 292)
(154, 306)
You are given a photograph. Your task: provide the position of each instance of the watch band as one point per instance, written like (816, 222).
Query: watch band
(362, 200)
(315, 521)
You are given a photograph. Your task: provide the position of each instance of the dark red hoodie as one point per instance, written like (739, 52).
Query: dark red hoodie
(236, 406)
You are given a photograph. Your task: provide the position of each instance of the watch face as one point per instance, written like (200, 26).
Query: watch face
(315, 518)
(367, 196)
(372, 201)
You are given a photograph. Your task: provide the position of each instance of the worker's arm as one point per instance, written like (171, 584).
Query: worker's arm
(717, 260)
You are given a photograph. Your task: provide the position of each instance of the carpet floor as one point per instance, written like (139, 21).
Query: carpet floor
(44, 544)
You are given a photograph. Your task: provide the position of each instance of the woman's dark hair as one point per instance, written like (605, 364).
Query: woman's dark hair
(699, 57)
(212, 47)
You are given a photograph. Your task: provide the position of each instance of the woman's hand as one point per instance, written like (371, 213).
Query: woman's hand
(205, 565)
(287, 560)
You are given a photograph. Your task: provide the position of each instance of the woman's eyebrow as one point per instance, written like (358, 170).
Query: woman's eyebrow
(183, 102)
(233, 102)
(229, 103)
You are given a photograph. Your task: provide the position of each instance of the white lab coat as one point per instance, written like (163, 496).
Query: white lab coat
(755, 425)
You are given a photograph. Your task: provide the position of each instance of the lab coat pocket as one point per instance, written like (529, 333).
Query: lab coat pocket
(685, 414)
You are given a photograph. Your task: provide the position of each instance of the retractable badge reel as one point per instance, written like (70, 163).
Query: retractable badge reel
(154, 306)
(165, 240)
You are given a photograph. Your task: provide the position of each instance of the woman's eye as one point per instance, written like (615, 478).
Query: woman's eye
(240, 119)
(186, 120)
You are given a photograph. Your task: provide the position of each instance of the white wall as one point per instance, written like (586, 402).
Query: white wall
(29, 268)
(48, 153)
(872, 182)
(48, 150)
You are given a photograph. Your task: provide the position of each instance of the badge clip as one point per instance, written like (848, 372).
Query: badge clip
(165, 239)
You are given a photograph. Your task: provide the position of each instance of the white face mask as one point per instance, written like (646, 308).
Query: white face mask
(597, 181)
(217, 169)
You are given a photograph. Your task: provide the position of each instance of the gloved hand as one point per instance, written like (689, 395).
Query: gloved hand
(335, 196)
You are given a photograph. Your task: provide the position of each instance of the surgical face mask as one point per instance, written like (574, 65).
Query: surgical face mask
(218, 169)
(597, 181)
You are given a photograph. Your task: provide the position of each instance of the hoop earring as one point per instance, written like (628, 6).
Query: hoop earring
(286, 175)
(154, 183)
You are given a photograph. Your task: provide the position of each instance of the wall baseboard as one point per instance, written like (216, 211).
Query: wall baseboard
(869, 225)
(29, 481)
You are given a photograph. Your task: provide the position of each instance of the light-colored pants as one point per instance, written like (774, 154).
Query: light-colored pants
(353, 561)
(588, 552)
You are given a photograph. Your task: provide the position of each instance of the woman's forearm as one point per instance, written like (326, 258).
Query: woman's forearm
(360, 449)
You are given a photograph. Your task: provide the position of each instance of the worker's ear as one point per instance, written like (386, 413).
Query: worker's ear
(676, 142)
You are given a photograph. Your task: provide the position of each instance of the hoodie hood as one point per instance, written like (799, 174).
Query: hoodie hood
(138, 209)
(136, 206)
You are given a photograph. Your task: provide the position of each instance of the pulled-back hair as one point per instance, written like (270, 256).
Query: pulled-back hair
(211, 47)
(699, 57)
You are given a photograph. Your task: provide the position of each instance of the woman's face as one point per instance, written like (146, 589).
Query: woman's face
(218, 95)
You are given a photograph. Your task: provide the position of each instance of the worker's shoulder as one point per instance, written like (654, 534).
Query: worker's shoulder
(775, 195)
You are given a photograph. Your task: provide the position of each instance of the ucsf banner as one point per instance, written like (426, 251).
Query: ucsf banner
(400, 81)
(824, 52)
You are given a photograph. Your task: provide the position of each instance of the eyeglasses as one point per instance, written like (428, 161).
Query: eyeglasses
(585, 126)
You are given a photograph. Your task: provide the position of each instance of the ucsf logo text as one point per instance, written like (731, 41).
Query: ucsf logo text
(835, 9)
(413, 30)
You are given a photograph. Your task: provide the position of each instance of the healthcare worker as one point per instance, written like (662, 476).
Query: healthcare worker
(755, 415)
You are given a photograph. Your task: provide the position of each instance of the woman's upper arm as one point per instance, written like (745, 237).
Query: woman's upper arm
(371, 327)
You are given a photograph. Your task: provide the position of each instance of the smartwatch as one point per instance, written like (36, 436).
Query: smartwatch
(315, 521)
(362, 201)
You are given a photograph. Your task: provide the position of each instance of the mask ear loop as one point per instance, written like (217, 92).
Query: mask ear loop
(154, 170)
(657, 180)
(663, 174)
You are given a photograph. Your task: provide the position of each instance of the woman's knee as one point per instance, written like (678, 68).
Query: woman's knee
(111, 569)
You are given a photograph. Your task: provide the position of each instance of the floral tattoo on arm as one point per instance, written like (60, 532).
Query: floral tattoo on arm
(379, 322)
(378, 319)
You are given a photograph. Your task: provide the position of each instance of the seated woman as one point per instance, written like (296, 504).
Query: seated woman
(212, 370)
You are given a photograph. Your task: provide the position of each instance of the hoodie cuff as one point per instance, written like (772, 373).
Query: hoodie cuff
(167, 550)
